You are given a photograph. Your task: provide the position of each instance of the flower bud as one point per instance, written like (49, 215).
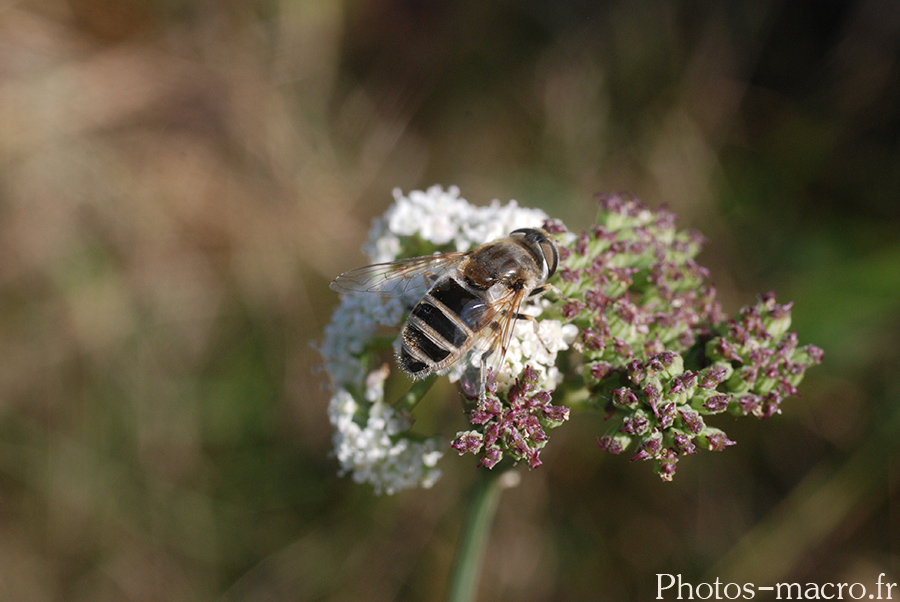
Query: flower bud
(714, 440)
(665, 464)
(615, 444)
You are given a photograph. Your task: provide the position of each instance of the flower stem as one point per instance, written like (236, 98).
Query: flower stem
(415, 394)
(473, 541)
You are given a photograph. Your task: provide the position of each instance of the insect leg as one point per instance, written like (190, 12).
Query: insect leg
(543, 289)
(482, 385)
(532, 319)
(482, 380)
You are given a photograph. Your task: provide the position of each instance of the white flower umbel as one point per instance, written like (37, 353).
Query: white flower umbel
(353, 325)
(536, 344)
(369, 442)
(442, 217)
(372, 441)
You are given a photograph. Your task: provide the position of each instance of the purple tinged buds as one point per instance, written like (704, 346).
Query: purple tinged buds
(712, 377)
(691, 420)
(622, 348)
(665, 465)
(666, 415)
(658, 353)
(677, 387)
(568, 274)
(815, 354)
(593, 340)
(749, 373)
(606, 443)
(651, 446)
(600, 370)
(491, 457)
(716, 403)
(749, 404)
(624, 397)
(651, 395)
(572, 308)
(514, 427)
(554, 226)
(715, 439)
(687, 380)
(725, 350)
(468, 442)
(636, 424)
(684, 444)
(611, 444)
(641, 455)
(672, 363)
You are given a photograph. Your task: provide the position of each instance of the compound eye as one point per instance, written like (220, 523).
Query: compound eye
(551, 255)
(539, 238)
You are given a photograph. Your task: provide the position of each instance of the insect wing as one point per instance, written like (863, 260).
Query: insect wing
(395, 277)
(495, 339)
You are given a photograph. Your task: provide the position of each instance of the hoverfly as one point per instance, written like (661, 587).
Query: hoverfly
(473, 299)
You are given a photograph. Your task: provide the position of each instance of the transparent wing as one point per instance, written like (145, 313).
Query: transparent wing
(395, 277)
(495, 338)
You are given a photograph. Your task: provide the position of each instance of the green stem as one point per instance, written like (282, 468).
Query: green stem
(415, 394)
(473, 541)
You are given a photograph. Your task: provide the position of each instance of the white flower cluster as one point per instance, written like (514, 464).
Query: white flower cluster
(375, 451)
(353, 325)
(371, 439)
(536, 344)
(442, 217)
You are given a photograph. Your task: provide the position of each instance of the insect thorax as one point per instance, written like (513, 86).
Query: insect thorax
(503, 262)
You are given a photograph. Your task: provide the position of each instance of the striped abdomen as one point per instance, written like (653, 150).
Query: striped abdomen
(441, 327)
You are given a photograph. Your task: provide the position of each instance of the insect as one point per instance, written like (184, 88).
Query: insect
(473, 299)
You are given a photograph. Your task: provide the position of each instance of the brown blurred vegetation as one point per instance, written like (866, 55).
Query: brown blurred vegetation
(180, 180)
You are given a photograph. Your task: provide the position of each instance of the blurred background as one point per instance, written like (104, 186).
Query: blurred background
(180, 180)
